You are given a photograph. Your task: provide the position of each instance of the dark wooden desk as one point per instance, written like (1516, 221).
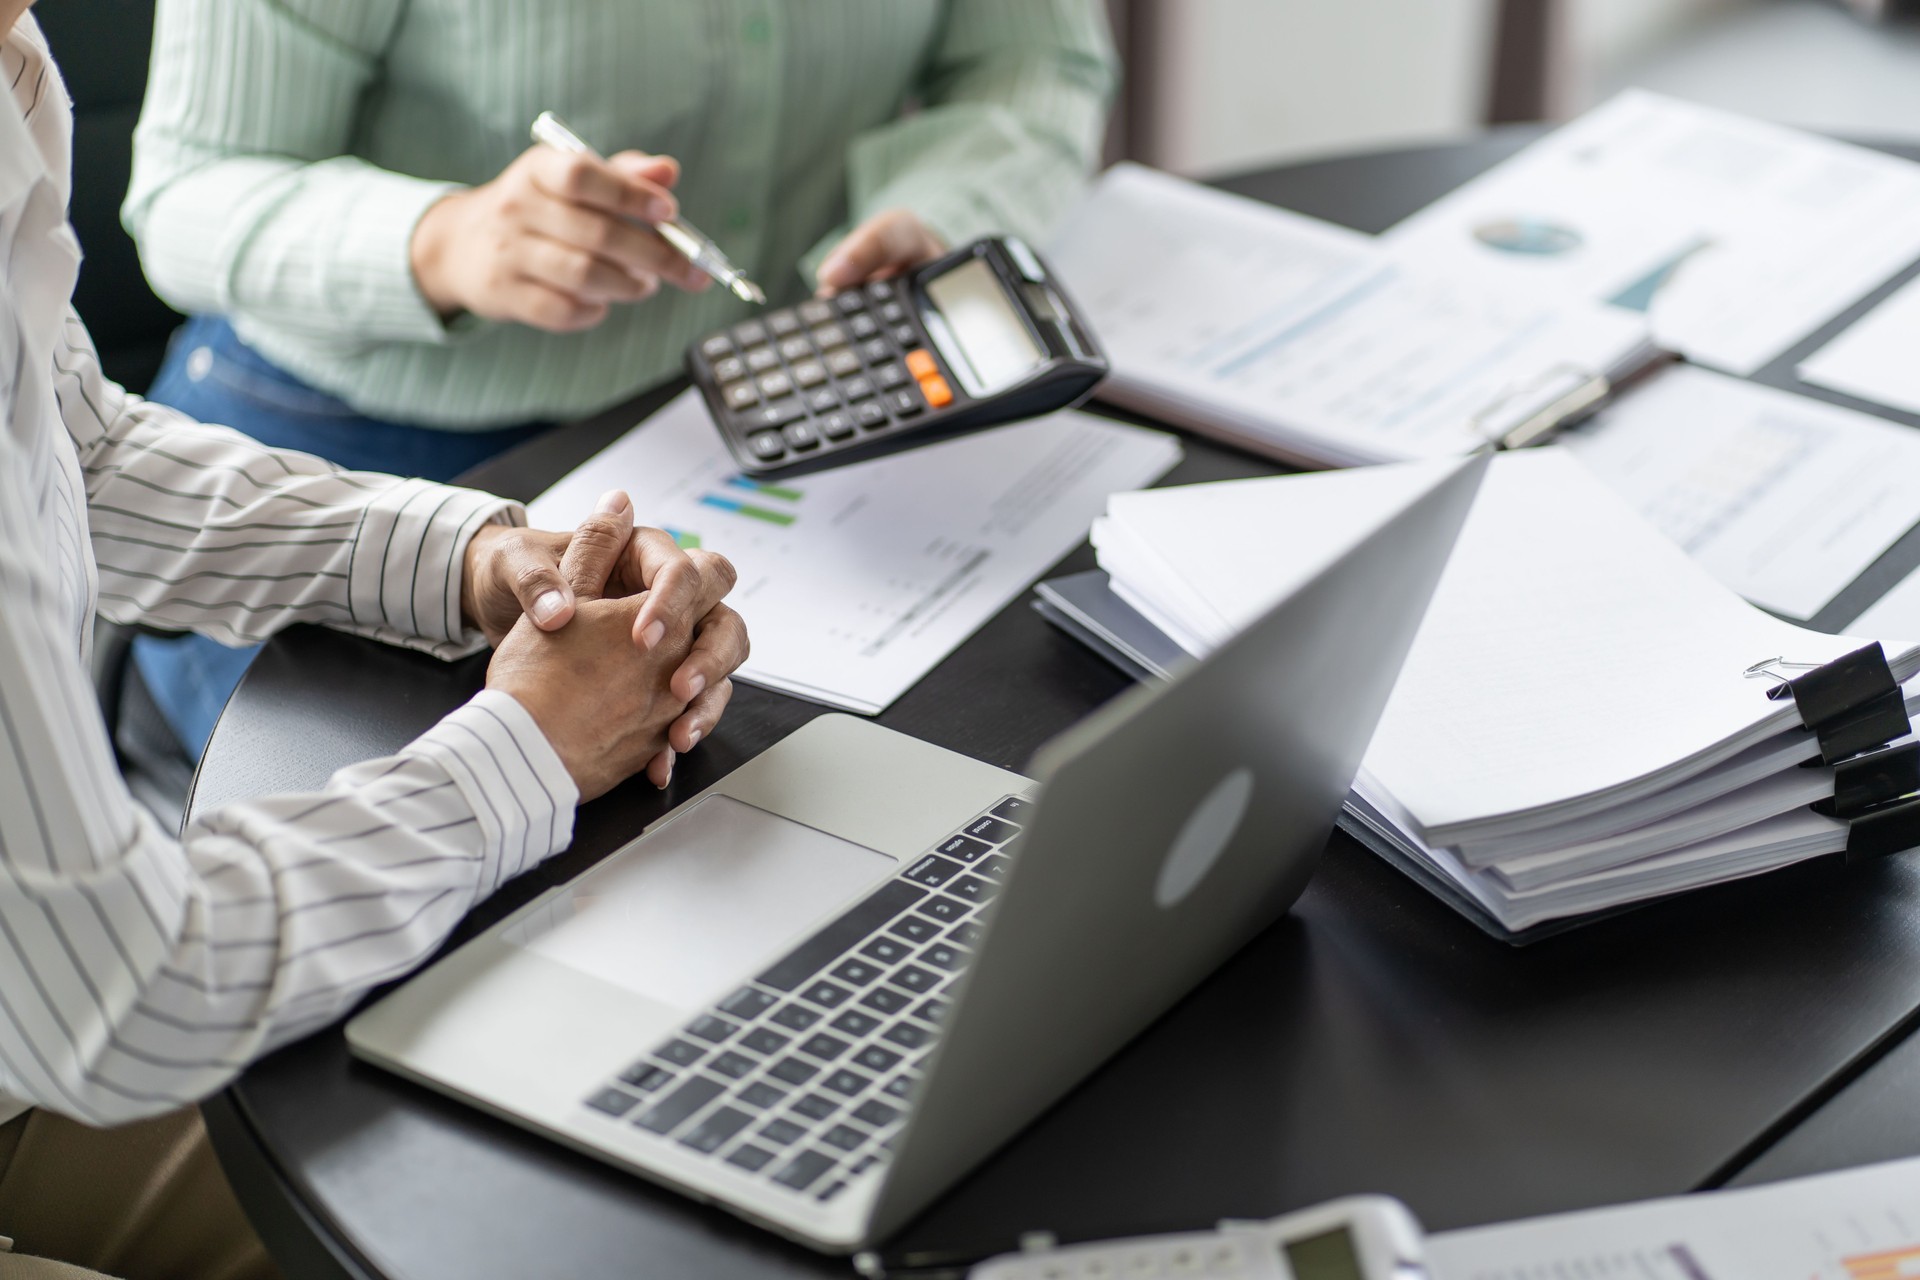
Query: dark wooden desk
(1371, 1041)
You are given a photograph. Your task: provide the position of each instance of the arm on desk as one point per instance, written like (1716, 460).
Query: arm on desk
(138, 972)
(200, 528)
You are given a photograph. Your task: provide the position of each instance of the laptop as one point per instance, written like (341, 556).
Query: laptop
(825, 988)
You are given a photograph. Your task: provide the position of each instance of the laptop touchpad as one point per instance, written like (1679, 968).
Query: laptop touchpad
(702, 904)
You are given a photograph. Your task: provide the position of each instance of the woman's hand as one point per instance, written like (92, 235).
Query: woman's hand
(887, 244)
(554, 241)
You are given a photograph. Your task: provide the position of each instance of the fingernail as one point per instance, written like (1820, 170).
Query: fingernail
(669, 781)
(697, 683)
(612, 502)
(659, 210)
(693, 738)
(548, 606)
(656, 632)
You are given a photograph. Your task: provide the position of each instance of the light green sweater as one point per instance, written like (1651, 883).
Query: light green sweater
(288, 147)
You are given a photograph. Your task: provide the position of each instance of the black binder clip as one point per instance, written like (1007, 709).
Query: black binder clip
(1852, 704)
(1855, 709)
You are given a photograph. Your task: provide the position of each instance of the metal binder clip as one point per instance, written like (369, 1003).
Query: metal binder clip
(1772, 668)
(1856, 709)
(1852, 704)
(1894, 828)
(1530, 411)
(1872, 781)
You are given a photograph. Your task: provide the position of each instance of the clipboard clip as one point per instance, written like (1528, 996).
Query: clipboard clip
(1531, 410)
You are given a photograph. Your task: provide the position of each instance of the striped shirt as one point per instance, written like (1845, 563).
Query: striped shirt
(287, 149)
(139, 971)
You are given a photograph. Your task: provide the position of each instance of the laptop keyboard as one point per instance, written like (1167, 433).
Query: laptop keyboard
(803, 1076)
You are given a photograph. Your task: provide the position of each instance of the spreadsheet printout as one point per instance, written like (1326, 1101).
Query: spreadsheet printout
(1785, 499)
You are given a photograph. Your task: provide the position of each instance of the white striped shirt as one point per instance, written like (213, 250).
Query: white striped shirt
(137, 971)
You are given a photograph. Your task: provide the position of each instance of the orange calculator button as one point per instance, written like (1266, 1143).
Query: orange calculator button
(936, 390)
(920, 364)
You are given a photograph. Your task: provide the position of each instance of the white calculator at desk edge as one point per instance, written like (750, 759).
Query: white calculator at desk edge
(1357, 1238)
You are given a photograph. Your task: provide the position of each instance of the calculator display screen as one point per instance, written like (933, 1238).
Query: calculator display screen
(1327, 1256)
(993, 347)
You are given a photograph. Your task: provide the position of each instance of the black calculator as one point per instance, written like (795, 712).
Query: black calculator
(981, 336)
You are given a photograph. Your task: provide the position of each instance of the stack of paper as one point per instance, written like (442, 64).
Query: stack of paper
(1306, 341)
(1575, 728)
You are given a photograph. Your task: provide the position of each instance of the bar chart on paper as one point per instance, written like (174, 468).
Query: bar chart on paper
(1858, 1224)
(855, 582)
(1884, 1246)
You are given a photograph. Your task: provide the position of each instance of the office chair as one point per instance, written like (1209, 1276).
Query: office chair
(102, 48)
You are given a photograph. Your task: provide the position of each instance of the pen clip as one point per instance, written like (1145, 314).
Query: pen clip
(1529, 411)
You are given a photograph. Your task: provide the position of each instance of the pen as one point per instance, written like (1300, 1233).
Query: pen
(690, 243)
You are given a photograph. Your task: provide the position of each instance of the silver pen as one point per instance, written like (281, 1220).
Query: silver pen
(678, 232)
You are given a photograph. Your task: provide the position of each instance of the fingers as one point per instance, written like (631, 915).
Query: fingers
(598, 545)
(543, 307)
(598, 184)
(611, 242)
(719, 647)
(661, 171)
(681, 593)
(577, 273)
(533, 573)
(660, 769)
(701, 715)
(885, 244)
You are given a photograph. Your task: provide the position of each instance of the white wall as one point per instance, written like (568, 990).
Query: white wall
(1242, 83)
(1604, 37)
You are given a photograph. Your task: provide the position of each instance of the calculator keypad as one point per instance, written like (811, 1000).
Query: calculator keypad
(825, 374)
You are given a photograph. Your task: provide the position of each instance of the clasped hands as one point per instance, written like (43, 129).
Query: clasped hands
(614, 639)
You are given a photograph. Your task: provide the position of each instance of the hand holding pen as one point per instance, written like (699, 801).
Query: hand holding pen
(554, 241)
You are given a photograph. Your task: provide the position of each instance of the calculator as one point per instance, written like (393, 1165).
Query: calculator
(983, 335)
(1355, 1238)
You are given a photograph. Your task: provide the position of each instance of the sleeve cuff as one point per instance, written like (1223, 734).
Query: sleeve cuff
(409, 558)
(510, 776)
(372, 259)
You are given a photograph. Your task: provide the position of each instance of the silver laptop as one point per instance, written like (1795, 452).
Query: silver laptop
(829, 985)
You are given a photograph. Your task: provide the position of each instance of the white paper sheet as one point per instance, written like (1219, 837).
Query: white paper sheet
(1860, 1224)
(1783, 498)
(1298, 338)
(1895, 616)
(1877, 358)
(1772, 231)
(855, 582)
(1572, 659)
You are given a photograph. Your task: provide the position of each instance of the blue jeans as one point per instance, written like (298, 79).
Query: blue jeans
(211, 375)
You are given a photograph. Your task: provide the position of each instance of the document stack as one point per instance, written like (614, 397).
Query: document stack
(1587, 719)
